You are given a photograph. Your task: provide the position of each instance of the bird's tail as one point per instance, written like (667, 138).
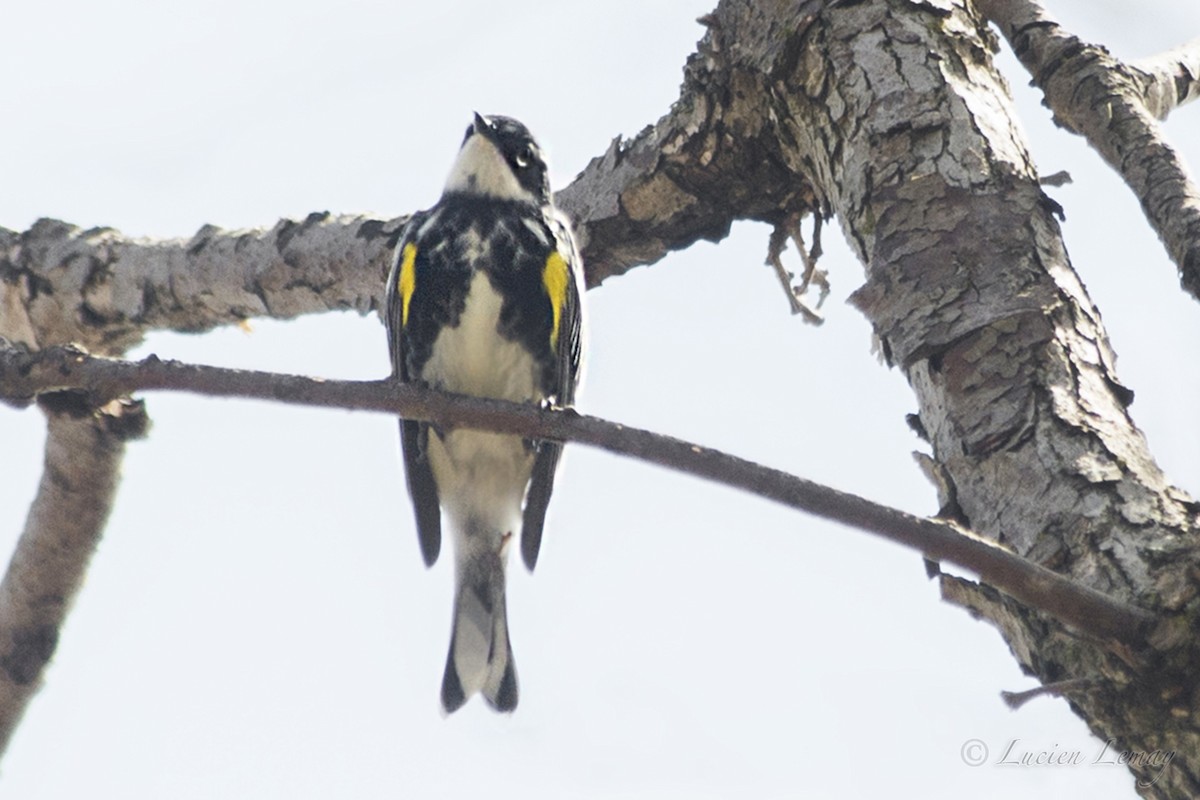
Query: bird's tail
(480, 657)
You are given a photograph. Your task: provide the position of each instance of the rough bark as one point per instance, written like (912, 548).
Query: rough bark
(1170, 79)
(60, 283)
(1114, 106)
(972, 295)
(79, 483)
(891, 116)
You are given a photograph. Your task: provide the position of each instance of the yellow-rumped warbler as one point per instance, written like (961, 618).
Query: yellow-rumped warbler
(484, 298)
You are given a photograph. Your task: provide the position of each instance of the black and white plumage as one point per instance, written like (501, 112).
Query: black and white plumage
(484, 298)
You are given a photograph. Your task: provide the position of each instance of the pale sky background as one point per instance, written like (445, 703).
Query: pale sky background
(257, 621)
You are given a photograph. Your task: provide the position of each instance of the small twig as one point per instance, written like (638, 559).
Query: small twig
(24, 375)
(1060, 178)
(811, 274)
(776, 244)
(1015, 700)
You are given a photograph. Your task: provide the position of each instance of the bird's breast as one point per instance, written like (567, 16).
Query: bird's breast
(474, 358)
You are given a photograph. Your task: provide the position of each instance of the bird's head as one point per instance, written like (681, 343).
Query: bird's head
(500, 159)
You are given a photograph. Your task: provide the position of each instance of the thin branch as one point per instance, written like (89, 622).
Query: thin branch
(26, 375)
(1170, 79)
(1113, 106)
(776, 244)
(811, 274)
(65, 522)
(789, 228)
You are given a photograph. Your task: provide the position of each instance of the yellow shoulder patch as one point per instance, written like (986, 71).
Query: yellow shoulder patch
(407, 281)
(555, 277)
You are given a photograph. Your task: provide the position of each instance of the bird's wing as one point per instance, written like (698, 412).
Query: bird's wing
(402, 285)
(569, 351)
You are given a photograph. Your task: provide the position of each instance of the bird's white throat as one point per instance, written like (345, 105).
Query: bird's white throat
(481, 169)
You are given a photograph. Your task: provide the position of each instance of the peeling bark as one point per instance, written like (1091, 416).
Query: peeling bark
(1114, 106)
(713, 159)
(59, 283)
(972, 295)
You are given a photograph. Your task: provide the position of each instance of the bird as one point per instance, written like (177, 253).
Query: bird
(484, 298)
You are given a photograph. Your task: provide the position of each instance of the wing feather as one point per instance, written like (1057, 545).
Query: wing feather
(569, 355)
(413, 435)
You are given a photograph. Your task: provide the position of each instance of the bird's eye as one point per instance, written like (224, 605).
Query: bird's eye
(525, 157)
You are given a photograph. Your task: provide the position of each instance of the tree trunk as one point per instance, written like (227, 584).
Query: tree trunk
(892, 117)
(899, 117)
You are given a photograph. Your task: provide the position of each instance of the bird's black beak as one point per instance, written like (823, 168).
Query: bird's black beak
(482, 125)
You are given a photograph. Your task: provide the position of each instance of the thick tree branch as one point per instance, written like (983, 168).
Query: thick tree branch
(1114, 106)
(60, 284)
(25, 375)
(84, 448)
(712, 159)
(688, 176)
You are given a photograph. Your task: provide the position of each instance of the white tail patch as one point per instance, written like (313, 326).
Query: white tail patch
(473, 629)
